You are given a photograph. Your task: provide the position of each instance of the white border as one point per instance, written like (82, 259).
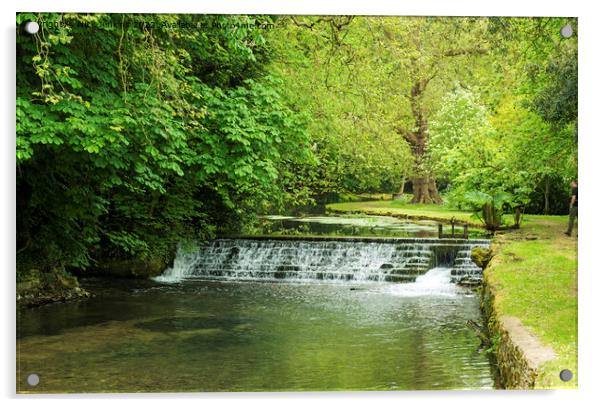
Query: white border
(589, 169)
(373, 7)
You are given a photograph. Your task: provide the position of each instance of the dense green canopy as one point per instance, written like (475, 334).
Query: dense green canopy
(137, 131)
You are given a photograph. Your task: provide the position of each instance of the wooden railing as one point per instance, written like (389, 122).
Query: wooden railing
(453, 235)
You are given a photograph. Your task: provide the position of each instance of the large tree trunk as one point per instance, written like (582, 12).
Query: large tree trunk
(425, 191)
(423, 183)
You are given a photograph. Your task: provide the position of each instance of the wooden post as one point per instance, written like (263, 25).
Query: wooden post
(466, 231)
(453, 222)
(440, 230)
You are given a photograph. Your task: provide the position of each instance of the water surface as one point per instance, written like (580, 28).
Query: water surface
(353, 225)
(255, 336)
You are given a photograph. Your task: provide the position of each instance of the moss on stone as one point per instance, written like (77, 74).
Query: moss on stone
(481, 256)
(131, 268)
(37, 286)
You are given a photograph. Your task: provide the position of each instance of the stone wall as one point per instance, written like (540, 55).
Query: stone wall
(518, 353)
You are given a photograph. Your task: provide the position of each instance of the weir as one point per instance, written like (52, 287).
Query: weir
(325, 258)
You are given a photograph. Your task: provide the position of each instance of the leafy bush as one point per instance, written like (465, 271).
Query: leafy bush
(132, 136)
(488, 208)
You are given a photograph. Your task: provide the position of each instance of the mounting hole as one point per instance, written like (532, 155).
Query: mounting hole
(31, 27)
(566, 375)
(33, 379)
(566, 31)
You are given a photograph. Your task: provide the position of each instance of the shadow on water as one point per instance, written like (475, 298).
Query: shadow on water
(114, 300)
(192, 323)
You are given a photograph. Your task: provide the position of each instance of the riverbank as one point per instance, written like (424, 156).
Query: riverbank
(402, 210)
(529, 295)
(532, 279)
(40, 283)
(38, 287)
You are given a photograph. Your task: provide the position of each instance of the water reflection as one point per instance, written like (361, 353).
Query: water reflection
(235, 336)
(355, 225)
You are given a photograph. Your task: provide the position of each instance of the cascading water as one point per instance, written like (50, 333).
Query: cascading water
(183, 266)
(436, 282)
(398, 260)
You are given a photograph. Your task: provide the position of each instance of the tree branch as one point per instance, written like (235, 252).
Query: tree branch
(465, 51)
(304, 24)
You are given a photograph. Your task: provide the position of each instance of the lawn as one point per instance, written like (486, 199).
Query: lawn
(402, 208)
(536, 281)
(534, 274)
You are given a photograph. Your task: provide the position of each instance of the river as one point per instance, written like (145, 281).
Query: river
(257, 334)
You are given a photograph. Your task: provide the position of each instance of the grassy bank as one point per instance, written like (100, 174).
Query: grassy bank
(536, 281)
(402, 208)
(534, 274)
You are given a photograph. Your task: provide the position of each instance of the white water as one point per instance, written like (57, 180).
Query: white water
(359, 261)
(183, 266)
(436, 282)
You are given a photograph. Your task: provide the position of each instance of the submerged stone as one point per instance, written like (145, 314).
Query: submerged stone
(190, 323)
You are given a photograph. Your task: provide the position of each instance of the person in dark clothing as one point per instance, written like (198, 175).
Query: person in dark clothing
(573, 209)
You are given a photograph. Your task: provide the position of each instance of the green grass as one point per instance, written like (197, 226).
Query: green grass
(534, 275)
(390, 207)
(536, 281)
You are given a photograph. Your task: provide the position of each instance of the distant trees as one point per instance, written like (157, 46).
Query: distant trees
(523, 145)
(333, 68)
(480, 104)
(134, 131)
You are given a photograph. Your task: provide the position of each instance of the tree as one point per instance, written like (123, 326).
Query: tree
(130, 140)
(464, 149)
(425, 53)
(332, 69)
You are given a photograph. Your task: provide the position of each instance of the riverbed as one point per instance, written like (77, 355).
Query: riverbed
(253, 336)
